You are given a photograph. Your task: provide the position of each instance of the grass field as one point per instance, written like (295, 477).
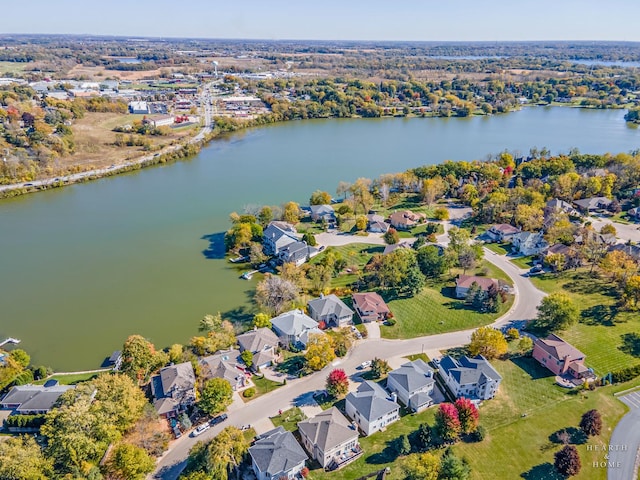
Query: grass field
(523, 262)
(70, 379)
(499, 248)
(600, 330)
(9, 67)
(289, 419)
(263, 385)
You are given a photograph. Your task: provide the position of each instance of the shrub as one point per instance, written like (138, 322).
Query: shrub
(625, 374)
(249, 392)
(513, 334)
(480, 434)
(390, 322)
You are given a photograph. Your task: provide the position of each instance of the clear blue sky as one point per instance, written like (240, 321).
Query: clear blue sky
(442, 20)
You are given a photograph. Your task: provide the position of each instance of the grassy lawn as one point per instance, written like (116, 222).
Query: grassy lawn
(421, 356)
(8, 67)
(69, 379)
(356, 254)
(601, 327)
(289, 419)
(520, 447)
(262, 385)
(523, 262)
(499, 248)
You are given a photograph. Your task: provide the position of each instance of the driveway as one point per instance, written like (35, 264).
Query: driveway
(625, 442)
(624, 232)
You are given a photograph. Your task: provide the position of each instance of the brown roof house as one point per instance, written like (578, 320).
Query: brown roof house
(406, 219)
(560, 357)
(501, 232)
(464, 282)
(370, 306)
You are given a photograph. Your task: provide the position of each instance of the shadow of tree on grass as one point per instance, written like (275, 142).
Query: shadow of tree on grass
(544, 471)
(630, 344)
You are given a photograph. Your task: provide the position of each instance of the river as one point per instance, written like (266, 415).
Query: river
(83, 267)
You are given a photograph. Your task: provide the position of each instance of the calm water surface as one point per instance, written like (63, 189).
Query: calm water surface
(85, 266)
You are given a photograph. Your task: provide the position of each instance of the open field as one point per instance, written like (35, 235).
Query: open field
(8, 67)
(601, 327)
(70, 379)
(499, 248)
(100, 72)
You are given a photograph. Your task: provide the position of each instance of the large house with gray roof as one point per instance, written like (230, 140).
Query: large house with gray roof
(330, 310)
(33, 399)
(297, 253)
(277, 236)
(224, 364)
(371, 407)
(413, 382)
(276, 454)
(262, 342)
(330, 439)
(324, 213)
(294, 328)
(473, 378)
(174, 389)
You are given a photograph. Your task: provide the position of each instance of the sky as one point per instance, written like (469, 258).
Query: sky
(413, 20)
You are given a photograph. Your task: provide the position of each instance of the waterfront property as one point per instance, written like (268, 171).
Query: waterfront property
(370, 307)
(464, 283)
(406, 219)
(560, 357)
(224, 364)
(371, 407)
(276, 454)
(262, 342)
(277, 236)
(323, 213)
(330, 439)
(474, 378)
(34, 399)
(173, 389)
(330, 310)
(294, 328)
(297, 253)
(413, 382)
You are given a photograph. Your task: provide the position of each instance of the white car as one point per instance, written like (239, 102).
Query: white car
(366, 364)
(201, 429)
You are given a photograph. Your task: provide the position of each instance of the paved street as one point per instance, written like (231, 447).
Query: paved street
(624, 232)
(625, 442)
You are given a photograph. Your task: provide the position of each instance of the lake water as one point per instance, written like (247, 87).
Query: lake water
(83, 267)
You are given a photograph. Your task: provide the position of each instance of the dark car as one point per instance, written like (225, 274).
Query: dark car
(219, 419)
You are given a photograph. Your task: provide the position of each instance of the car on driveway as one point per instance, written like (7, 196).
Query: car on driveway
(535, 269)
(200, 429)
(218, 419)
(366, 364)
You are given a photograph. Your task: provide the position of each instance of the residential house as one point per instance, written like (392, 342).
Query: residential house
(464, 282)
(587, 205)
(376, 224)
(173, 389)
(529, 243)
(413, 382)
(370, 307)
(262, 342)
(224, 364)
(324, 213)
(330, 439)
(406, 219)
(392, 248)
(560, 357)
(571, 256)
(276, 455)
(502, 232)
(632, 250)
(139, 108)
(330, 310)
(634, 214)
(555, 205)
(371, 407)
(33, 399)
(297, 252)
(474, 378)
(115, 360)
(277, 236)
(294, 328)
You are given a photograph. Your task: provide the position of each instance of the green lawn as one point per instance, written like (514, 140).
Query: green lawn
(523, 262)
(70, 379)
(599, 332)
(289, 419)
(421, 356)
(499, 248)
(354, 253)
(518, 446)
(263, 385)
(8, 67)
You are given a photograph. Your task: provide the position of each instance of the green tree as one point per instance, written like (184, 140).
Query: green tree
(488, 342)
(319, 352)
(458, 238)
(262, 320)
(379, 368)
(320, 198)
(128, 462)
(256, 255)
(425, 436)
(140, 358)
(421, 466)
(556, 312)
(21, 357)
(525, 344)
(247, 358)
(22, 459)
(175, 353)
(402, 445)
(453, 468)
(291, 213)
(361, 223)
(226, 452)
(432, 264)
(391, 236)
(216, 396)
(441, 213)
(118, 401)
(265, 216)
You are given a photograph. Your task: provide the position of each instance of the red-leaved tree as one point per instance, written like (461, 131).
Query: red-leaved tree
(447, 422)
(567, 461)
(467, 414)
(337, 383)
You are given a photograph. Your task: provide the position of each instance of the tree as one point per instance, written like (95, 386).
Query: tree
(488, 342)
(608, 229)
(432, 264)
(256, 255)
(567, 461)
(467, 258)
(342, 340)
(128, 462)
(361, 223)
(226, 452)
(425, 436)
(467, 414)
(432, 189)
(379, 368)
(591, 423)
(175, 353)
(453, 468)
(185, 421)
(319, 351)
(291, 213)
(247, 358)
(210, 323)
(361, 194)
(21, 357)
(216, 396)
(265, 215)
(441, 213)
(21, 459)
(619, 265)
(310, 238)
(447, 422)
(320, 198)
(421, 466)
(262, 320)
(556, 312)
(118, 401)
(632, 289)
(140, 358)
(391, 236)
(275, 294)
(458, 238)
(525, 345)
(402, 445)
(513, 334)
(529, 217)
(337, 383)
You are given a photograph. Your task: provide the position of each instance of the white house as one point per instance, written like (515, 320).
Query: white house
(529, 243)
(262, 342)
(276, 455)
(277, 236)
(502, 232)
(371, 407)
(330, 310)
(294, 328)
(473, 378)
(413, 382)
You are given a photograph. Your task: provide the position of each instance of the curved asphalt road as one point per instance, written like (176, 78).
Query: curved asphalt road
(527, 298)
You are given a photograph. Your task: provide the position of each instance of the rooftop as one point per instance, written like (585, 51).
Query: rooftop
(371, 401)
(276, 451)
(328, 429)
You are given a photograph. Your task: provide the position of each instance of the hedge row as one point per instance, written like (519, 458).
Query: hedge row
(625, 374)
(24, 421)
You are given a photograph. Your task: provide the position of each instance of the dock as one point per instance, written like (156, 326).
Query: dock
(15, 341)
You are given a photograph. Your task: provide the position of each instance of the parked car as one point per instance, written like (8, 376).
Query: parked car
(176, 431)
(201, 429)
(366, 364)
(535, 269)
(219, 419)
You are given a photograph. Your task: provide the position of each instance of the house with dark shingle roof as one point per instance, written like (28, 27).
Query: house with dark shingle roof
(560, 357)
(276, 454)
(297, 253)
(330, 439)
(322, 212)
(330, 310)
(413, 382)
(587, 205)
(224, 364)
(371, 407)
(473, 378)
(173, 389)
(262, 342)
(33, 399)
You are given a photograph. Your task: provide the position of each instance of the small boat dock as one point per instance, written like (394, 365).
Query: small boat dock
(15, 341)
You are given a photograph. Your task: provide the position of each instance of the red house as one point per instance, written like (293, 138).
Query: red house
(560, 357)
